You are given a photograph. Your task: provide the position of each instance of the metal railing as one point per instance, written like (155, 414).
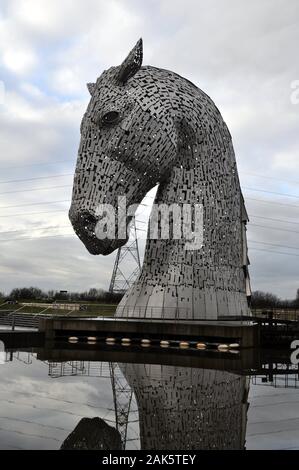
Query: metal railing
(17, 319)
(278, 376)
(277, 314)
(152, 313)
(165, 313)
(81, 368)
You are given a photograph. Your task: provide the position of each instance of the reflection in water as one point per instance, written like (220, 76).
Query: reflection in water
(178, 408)
(93, 405)
(93, 434)
(187, 408)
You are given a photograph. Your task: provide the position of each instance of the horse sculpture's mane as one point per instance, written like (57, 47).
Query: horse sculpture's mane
(166, 131)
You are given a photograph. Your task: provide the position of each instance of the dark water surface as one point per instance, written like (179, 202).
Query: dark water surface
(152, 407)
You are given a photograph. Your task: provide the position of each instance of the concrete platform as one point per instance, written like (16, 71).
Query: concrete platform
(22, 338)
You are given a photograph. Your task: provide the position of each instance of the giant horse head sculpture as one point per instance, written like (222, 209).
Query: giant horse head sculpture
(146, 126)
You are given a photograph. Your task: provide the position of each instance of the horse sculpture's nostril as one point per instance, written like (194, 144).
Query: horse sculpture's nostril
(85, 222)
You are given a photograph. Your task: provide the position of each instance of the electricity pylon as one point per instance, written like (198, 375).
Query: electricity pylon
(120, 282)
(122, 398)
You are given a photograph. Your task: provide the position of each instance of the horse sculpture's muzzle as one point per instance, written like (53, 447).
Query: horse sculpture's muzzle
(84, 223)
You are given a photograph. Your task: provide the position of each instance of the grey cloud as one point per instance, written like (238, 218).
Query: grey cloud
(244, 55)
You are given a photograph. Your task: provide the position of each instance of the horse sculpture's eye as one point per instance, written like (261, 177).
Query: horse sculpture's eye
(110, 118)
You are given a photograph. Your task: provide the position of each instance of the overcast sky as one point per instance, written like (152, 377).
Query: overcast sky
(243, 54)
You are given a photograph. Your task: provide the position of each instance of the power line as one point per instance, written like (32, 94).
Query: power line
(35, 164)
(139, 229)
(38, 238)
(14, 431)
(276, 252)
(275, 244)
(272, 202)
(72, 160)
(276, 220)
(67, 200)
(36, 423)
(70, 174)
(47, 396)
(66, 235)
(274, 228)
(63, 210)
(32, 213)
(271, 192)
(38, 228)
(34, 204)
(37, 178)
(42, 189)
(45, 203)
(269, 177)
(150, 197)
(272, 432)
(36, 189)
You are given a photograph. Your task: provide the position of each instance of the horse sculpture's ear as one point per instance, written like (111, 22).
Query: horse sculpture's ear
(91, 87)
(131, 64)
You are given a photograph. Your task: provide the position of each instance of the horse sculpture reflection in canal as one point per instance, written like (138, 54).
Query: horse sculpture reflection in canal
(146, 126)
(178, 408)
(186, 408)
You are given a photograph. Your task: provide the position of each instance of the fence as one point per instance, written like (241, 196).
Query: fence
(277, 314)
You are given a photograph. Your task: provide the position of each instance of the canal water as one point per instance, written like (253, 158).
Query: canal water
(81, 404)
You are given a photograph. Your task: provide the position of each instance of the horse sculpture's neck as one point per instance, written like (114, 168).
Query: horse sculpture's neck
(208, 282)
